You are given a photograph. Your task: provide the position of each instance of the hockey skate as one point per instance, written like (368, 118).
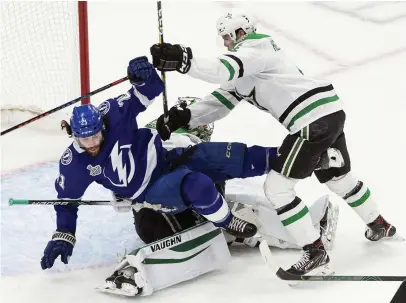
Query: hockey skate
(315, 260)
(240, 228)
(328, 225)
(122, 282)
(381, 229)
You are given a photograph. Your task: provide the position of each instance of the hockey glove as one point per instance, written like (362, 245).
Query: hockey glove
(139, 70)
(178, 116)
(168, 57)
(61, 245)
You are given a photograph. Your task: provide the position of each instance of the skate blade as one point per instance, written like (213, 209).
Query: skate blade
(396, 238)
(324, 270)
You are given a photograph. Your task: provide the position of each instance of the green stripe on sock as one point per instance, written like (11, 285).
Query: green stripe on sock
(296, 217)
(229, 67)
(311, 107)
(361, 200)
(223, 100)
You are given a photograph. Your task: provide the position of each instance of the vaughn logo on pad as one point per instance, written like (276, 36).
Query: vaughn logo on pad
(166, 243)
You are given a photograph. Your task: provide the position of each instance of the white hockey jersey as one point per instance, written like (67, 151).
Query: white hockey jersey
(258, 71)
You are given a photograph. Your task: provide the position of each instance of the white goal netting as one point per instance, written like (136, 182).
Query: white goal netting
(40, 60)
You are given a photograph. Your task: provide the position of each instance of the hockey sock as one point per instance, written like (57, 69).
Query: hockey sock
(357, 195)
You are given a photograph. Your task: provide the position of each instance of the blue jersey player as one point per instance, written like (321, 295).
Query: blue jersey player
(110, 149)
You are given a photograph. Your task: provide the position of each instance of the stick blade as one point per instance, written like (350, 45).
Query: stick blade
(400, 295)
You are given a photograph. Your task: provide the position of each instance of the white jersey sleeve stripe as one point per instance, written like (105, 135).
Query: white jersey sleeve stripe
(240, 65)
(227, 99)
(143, 99)
(151, 165)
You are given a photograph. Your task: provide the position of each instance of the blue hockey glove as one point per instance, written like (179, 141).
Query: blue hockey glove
(139, 70)
(61, 245)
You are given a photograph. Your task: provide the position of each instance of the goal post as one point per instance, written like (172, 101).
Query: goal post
(84, 49)
(44, 57)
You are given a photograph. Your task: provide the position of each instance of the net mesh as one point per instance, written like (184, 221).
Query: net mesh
(40, 67)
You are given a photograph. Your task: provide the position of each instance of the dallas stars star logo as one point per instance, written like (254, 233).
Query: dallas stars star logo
(251, 98)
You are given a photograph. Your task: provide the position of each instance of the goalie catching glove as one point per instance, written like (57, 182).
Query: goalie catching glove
(171, 57)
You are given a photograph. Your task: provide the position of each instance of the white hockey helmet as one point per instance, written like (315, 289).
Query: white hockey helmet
(230, 23)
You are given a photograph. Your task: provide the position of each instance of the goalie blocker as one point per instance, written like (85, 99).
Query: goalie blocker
(169, 261)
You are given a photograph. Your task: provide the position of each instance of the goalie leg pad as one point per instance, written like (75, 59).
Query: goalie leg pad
(181, 257)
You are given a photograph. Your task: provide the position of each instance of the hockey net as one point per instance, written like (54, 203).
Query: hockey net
(44, 60)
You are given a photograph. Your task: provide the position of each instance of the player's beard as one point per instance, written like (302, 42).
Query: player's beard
(94, 151)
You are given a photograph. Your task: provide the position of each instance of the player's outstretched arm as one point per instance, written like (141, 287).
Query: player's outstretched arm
(227, 67)
(144, 77)
(146, 86)
(70, 184)
(211, 108)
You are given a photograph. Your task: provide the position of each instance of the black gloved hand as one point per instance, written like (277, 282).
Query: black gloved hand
(178, 116)
(168, 57)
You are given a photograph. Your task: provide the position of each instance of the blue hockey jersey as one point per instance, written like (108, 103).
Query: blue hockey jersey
(129, 159)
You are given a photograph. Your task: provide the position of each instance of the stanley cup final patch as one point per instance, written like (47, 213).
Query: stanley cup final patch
(104, 107)
(66, 157)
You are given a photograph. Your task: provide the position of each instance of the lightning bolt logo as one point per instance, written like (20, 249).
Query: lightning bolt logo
(116, 156)
(117, 164)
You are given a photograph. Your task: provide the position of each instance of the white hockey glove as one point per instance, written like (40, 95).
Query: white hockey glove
(119, 204)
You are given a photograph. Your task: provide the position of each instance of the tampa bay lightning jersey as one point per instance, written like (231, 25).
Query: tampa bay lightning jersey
(129, 159)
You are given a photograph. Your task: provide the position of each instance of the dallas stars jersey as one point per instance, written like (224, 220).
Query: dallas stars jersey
(258, 71)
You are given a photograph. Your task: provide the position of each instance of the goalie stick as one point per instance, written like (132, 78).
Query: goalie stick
(284, 275)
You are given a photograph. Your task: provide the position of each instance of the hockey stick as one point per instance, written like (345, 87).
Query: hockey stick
(161, 40)
(284, 275)
(12, 201)
(64, 105)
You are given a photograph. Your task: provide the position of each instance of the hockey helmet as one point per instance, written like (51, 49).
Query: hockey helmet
(230, 23)
(86, 121)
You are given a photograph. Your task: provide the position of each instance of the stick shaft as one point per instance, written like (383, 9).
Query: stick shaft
(57, 202)
(161, 40)
(64, 105)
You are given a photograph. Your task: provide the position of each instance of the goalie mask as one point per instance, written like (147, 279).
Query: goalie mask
(203, 132)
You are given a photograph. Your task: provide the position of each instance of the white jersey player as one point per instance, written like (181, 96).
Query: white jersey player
(183, 246)
(257, 70)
